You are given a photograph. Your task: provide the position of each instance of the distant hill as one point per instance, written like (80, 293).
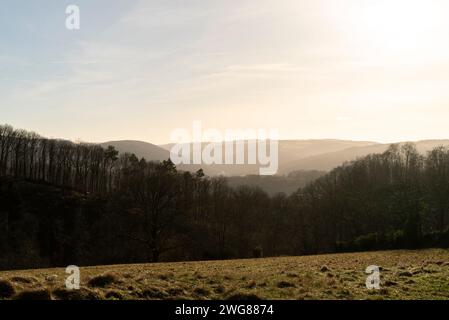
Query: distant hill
(296, 149)
(294, 155)
(328, 161)
(289, 150)
(140, 149)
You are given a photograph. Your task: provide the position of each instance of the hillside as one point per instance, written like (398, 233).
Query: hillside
(289, 150)
(404, 275)
(329, 160)
(294, 155)
(141, 149)
(277, 184)
(100, 210)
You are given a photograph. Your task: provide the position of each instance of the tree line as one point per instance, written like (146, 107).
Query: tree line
(67, 203)
(85, 167)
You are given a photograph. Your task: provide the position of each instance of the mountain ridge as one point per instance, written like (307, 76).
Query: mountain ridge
(294, 155)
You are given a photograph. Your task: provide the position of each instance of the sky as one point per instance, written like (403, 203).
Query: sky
(374, 70)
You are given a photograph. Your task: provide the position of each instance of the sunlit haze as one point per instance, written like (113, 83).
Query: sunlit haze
(349, 69)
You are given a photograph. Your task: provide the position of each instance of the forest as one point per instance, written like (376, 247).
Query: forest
(65, 203)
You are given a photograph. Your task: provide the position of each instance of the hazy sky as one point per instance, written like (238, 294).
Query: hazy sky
(354, 69)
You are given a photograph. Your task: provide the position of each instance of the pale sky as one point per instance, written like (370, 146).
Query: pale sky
(350, 69)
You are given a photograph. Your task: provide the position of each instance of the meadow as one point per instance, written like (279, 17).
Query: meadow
(417, 274)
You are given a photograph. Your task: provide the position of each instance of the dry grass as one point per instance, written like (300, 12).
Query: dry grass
(422, 274)
(103, 280)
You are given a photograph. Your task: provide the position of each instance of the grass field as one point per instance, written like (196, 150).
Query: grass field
(420, 274)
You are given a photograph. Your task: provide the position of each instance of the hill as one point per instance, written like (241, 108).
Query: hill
(294, 155)
(330, 160)
(95, 210)
(403, 274)
(141, 149)
(289, 150)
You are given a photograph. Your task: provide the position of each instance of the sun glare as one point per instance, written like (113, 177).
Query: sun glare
(395, 27)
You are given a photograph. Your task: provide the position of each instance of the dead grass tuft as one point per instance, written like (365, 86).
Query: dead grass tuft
(81, 294)
(174, 292)
(244, 296)
(36, 294)
(201, 292)
(405, 274)
(113, 295)
(153, 293)
(219, 289)
(103, 280)
(285, 284)
(23, 280)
